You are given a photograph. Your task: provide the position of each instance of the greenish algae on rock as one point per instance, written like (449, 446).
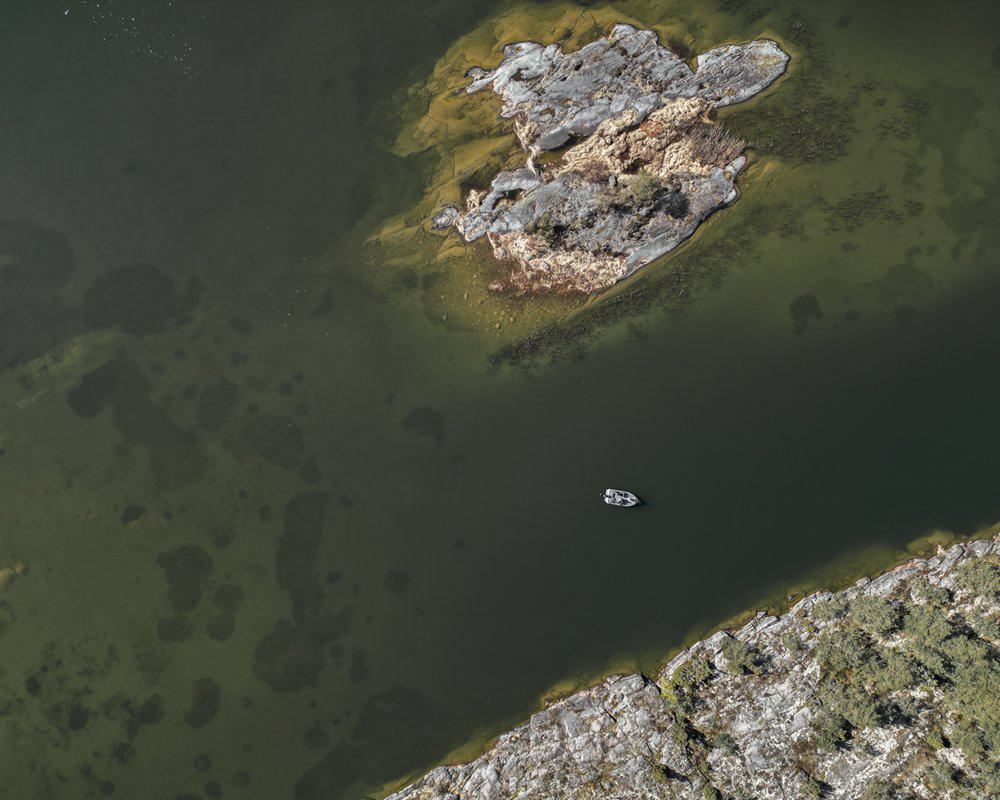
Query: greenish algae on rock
(463, 143)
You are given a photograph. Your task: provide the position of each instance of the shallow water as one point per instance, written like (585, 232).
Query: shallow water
(289, 533)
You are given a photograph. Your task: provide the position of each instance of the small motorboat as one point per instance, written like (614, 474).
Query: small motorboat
(621, 498)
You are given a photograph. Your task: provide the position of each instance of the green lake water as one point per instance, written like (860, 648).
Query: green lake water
(286, 533)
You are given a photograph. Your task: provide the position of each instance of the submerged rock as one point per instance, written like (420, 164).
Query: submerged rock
(886, 689)
(645, 167)
(138, 297)
(11, 573)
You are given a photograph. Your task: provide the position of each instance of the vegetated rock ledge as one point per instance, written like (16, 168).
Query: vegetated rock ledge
(888, 689)
(645, 168)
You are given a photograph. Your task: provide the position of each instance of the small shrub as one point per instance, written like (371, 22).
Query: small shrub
(925, 592)
(856, 705)
(793, 644)
(644, 193)
(834, 608)
(986, 627)
(940, 779)
(643, 188)
(682, 686)
(844, 650)
(675, 204)
(811, 788)
(878, 617)
(878, 791)
(832, 730)
(935, 740)
(927, 628)
(660, 773)
(904, 710)
(980, 576)
(594, 171)
(549, 228)
(740, 659)
(713, 145)
(726, 742)
(966, 737)
(679, 734)
(897, 672)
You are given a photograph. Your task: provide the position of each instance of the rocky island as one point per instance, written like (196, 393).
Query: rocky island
(888, 689)
(623, 161)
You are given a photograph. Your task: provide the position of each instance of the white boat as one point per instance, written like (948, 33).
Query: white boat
(621, 498)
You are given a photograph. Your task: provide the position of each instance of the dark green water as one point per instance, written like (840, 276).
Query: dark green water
(291, 537)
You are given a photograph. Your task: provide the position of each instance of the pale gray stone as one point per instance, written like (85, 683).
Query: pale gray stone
(626, 92)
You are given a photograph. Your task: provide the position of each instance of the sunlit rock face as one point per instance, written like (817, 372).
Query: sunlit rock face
(643, 164)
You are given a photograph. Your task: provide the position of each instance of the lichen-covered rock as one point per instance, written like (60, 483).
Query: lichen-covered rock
(887, 689)
(645, 168)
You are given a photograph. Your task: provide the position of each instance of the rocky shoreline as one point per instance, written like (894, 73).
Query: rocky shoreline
(642, 165)
(887, 689)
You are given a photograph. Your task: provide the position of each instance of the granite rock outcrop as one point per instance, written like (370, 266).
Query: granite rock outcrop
(642, 163)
